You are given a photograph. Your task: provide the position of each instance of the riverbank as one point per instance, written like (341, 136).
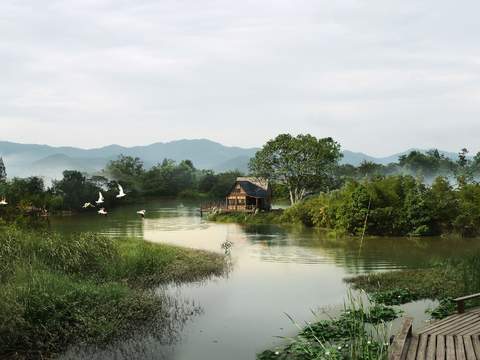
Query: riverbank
(57, 291)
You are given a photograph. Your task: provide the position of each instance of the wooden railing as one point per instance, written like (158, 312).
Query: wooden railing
(209, 207)
(461, 302)
(399, 344)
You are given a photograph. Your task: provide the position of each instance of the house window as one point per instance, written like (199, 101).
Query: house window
(241, 201)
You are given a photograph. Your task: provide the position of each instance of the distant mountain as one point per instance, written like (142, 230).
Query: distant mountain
(49, 161)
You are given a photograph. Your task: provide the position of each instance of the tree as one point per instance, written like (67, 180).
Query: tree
(464, 169)
(3, 171)
(128, 171)
(369, 169)
(75, 189)
(303, 163)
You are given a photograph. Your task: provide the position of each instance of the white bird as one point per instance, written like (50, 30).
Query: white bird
(87, 205)
(3, 202)
(121, 193)
(100, 198)
(142, 213)
(102, 211)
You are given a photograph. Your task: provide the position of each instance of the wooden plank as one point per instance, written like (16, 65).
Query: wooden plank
(412, 348)
(473, 329)
(444, 322)
(469, 351)
(440, 354)
(456, 319)
(398, 346)
(459, 348)
(450, 347)
(431, 348)
(455, 329)
(453, 326)
(422, 347)
(476, 345)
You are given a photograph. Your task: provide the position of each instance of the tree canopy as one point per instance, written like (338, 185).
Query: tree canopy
(3, 171)
(303, 163)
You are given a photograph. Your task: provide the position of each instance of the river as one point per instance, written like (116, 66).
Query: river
(275, 271)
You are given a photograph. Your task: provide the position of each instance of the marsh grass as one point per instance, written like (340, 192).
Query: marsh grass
(359, 332)
(57, 291)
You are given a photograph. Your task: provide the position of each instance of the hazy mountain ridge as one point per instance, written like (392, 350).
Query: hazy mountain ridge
(50, 161)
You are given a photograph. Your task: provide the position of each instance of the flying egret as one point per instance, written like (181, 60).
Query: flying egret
(3, 202)
(121, 193)
(87, 205)
(102, 211)
(142, 213)
(100, 198)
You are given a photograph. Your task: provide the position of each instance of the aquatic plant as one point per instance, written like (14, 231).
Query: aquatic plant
(359, 332)
(395, 296)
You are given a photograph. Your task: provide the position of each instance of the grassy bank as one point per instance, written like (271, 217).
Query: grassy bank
(441, 281)
(57, 291)
(261, 218)
(359, 332)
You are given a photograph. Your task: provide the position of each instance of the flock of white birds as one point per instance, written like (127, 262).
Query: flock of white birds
(100, 201)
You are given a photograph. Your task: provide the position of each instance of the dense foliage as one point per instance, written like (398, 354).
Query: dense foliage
(396, 206)
(75, 188)
(422, 165)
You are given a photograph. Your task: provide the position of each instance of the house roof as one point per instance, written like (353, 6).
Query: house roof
(260, 182)
(254, 187)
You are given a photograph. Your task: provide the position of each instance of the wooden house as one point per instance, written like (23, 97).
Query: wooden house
(249, 194)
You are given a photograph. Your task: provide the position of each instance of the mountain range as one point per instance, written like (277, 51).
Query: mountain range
(49, 161)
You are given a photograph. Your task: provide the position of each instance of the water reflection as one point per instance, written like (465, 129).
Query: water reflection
(156, 340)
(276, 270)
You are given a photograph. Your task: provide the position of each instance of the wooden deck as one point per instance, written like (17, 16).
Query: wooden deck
(455, 337)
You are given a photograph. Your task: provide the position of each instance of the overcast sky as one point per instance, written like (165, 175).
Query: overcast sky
(379, 76)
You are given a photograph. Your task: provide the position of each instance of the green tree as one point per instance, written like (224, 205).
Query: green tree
(128, 171)
(369, 169)
(3, 171)
(75, 189)
(464, 171)
(303, 163)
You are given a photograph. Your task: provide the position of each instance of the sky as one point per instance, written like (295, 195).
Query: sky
(378, 76)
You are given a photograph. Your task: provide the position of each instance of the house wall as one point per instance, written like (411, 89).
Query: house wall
(240, 201)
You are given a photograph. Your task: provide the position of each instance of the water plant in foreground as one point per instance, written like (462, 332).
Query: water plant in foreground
(360, 331)
(57, 291)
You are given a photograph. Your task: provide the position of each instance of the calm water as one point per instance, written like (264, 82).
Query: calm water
(274, 271)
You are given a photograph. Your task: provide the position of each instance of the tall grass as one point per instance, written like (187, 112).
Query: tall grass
(56, 291)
